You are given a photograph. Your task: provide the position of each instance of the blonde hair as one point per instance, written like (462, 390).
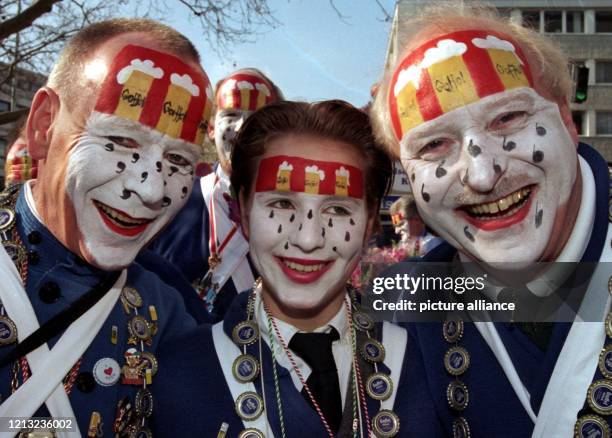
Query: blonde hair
(67, 75)
(549, 66)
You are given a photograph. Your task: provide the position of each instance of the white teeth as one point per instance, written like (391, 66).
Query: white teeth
(303, 268)
(119, 217)
(501, 205)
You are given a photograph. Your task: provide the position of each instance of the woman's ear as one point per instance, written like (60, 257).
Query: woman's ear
(39, 126)
(244, 207)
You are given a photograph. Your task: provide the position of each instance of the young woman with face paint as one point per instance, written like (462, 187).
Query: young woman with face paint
(295, 355)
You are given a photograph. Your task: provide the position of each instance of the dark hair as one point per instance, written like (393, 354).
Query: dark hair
(334, 119)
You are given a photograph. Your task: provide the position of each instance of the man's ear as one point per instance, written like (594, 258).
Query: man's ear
(244, 212)
(211, 129)
(566, 116)
(39, 127)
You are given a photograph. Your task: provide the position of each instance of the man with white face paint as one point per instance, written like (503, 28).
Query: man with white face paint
(204, 241)
(296, 356)
(477, 110)
(116, 132)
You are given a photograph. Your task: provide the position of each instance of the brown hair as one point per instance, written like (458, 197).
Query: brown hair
(334, 119)
(548, 63)
(66, 76)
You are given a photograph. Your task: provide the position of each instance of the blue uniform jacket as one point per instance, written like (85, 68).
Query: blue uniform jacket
(199, 399)
(493, 409)
(56, 278)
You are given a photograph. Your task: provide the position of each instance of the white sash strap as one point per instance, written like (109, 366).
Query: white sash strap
(234, 263)
(227, 352)
(48, 367)
(394, 339)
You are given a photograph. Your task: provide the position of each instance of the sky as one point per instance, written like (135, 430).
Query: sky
(313, 54)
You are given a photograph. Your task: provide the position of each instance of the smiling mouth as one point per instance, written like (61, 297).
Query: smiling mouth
(500, 213)
(302, 270)
(120, 222)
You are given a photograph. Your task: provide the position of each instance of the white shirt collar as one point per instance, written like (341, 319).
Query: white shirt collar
(29, 197)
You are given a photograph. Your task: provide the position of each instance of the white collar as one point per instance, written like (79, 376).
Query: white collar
(29, 197)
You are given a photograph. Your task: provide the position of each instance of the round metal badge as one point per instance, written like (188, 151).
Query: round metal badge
(452, 330)
(456, 360)
(106, 371)
(151, 361)
(139, 328)
(373, 351)
(379, 386)
(386, 423)
(8, 330)
(457, 395)
(251, 432)
(605, 361)
(143, 402)
(245, 333)
(599, 396)
(461, 428)
(131, 296)
(589, 426)
(7, 218)
(608, 325)
(363, 321)
(249, 406)
(245, 368)
(16, 252)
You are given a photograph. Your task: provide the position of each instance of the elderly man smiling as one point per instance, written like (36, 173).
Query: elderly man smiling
(117, 132)
(477, 110)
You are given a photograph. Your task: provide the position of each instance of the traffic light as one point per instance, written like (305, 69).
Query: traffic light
(581, 83)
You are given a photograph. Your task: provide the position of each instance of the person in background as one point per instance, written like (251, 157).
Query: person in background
(410, 227)
(19, 166)
(81, 322)
(204, 241)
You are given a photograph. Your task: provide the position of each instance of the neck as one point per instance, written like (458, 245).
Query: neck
(306, 320)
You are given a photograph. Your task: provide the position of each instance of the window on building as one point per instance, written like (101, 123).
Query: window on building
(531, 19)
(603, 21)
(553, 21)
(4, 106)
(574, 22)
(603, 122)
(603, 72)
(578, 119)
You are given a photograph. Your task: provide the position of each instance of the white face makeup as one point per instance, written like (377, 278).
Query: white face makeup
(126, 181)
(490, 177)
(227, 124)
(304, 245)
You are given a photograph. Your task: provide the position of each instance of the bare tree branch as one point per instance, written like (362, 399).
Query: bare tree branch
(387, 17)
(25, 18)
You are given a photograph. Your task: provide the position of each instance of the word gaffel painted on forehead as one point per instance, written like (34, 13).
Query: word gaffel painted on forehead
(132, 168)
(452, 71)
(318, 212)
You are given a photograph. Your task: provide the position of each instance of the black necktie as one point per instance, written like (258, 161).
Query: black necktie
(316, 350)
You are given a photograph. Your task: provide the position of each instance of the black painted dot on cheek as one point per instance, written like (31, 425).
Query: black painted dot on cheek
(473, 149)
(309, 214)
(440, 171)
(508, 146)
(109, 147)
(144, 176)
(173, 170)
(351, 221)
(126, 194)
(120, 167)
(166, 201)
(347, 236)
(292, 218)
(184, 191)
(158, 166)
(538, 217)
(540, 130)
(424, 194)
(280, 228)
(271, 214)
(300, 227)
(335, 249)
(286, 245)
(467, 233)
(496, 167)
(322, 232)
(537, 156)
(135, 157)
(330, 223)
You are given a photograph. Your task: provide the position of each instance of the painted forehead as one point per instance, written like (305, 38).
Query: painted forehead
(157, 90)
(295, 174)
(245, 92)
(452, 71)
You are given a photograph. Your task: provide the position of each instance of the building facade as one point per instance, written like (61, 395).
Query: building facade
(583, 30)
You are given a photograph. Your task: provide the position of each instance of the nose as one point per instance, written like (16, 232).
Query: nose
(483, 165)
(145, 179)
(310, 233)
